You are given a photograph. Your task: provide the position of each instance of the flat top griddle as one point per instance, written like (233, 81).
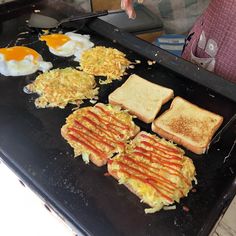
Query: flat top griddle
(94, 204)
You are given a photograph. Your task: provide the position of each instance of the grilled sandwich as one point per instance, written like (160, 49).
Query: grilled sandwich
(98, 132)
(155, 170)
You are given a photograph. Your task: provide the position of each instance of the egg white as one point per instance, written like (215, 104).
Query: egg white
(75, 46)
(23, 67)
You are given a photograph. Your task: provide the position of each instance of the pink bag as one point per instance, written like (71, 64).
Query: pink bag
(212, 41)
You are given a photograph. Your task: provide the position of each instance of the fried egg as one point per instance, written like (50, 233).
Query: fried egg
(20, 60)
(66, 45)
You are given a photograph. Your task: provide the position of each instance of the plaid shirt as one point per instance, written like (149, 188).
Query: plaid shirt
(178, 16)
(212, 41)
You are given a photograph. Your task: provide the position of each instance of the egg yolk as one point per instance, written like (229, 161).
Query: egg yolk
(18, 53)
(55, 40)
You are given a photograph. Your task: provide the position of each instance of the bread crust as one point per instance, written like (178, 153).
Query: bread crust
(139, 115)
(179, 140)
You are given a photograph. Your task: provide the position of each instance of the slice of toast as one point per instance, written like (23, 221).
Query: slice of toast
(99, 132)
(188, 125)
(155, 170)
(141, 97)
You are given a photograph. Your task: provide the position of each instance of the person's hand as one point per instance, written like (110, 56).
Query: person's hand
(127, 5)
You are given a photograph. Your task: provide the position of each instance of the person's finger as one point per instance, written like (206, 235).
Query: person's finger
(131, 12)
(127, 5)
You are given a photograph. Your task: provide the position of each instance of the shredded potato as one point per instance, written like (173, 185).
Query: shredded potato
(59, 87)
(102, 61)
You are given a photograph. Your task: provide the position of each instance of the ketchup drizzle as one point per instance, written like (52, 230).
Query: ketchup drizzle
(115, 142)
(160, 144)
(113, 117)
(105, 120)
(122, 169)
(91, 136)
(111, 129)
(88, 146)
(161, 156)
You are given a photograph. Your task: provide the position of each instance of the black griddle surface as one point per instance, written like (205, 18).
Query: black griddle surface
(94, 204)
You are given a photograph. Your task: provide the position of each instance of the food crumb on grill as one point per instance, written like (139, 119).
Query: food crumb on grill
(185, 208)
(150, 63)
(45, 31)
(169, 208)
(93, 101)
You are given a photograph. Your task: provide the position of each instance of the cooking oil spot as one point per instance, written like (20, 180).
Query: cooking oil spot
(26, 90)
(211, 95)
(231, 170)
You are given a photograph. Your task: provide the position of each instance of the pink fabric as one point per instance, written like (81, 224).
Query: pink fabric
(212, 40)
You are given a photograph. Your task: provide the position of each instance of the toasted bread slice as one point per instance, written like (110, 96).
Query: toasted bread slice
(141, 97)
(188, 125)
(155, 170)
(99, 132)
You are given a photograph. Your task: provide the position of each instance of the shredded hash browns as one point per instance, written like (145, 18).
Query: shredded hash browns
(59, 87)
(102, 61)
